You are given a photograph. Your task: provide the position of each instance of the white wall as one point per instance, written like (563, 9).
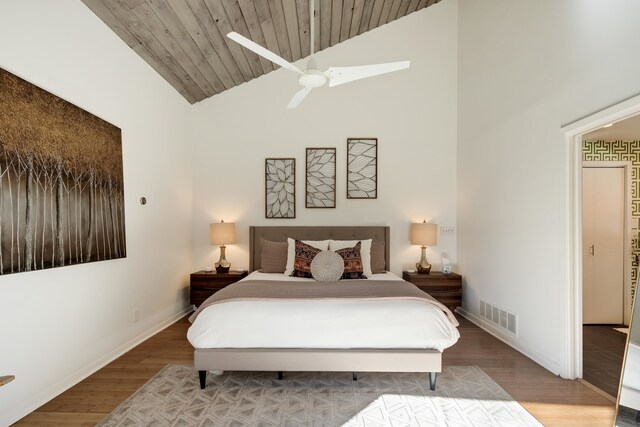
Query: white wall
(411, 112)
(58, 325)
(526, 69)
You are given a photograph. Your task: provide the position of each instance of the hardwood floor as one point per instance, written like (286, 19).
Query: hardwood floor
(602, 356)
(553, 401)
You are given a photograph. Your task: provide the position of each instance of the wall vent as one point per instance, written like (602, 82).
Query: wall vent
(501, 318)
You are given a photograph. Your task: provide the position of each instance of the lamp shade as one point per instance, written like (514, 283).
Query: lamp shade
(222, 233)
(424, 234)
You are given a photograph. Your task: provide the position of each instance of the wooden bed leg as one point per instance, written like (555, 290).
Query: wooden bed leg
(203, 379)
(354, 376)
(279, 375)
(433, 376)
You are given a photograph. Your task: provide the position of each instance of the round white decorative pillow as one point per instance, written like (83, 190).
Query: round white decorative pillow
(327, 266)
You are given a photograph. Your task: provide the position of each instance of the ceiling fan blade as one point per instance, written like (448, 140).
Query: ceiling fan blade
(341, 75)
(265, 53)
(298, 97)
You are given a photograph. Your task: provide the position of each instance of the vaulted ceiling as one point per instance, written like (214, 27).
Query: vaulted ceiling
(185, 40)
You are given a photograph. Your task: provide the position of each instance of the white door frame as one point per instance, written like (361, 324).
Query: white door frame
(626, 297)
(573, 288)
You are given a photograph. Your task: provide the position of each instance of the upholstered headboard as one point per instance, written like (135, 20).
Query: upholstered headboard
(281, 233)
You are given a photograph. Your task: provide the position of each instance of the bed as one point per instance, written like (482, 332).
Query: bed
(325, 334)
(630, 391)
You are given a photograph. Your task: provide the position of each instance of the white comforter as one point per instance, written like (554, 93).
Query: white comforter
(630, 392)
(322, 324)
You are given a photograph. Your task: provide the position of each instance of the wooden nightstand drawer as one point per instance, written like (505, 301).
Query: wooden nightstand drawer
(450, 299)
(204, 284)
(436, 284)
(446, 288)
(209, 283)
(437, 293)
(199, 296)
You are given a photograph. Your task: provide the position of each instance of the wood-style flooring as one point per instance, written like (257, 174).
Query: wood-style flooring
(603, 352)
(553, 401)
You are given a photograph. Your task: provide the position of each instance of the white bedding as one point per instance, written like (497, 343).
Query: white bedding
(322, 324)
(630, 392)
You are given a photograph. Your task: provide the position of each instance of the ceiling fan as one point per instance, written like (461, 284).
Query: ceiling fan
(311, 77)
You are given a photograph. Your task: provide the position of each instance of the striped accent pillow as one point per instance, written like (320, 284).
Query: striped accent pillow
(302, 261)
(352, 262)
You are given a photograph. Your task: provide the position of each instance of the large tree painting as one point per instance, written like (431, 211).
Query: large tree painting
(61, 184)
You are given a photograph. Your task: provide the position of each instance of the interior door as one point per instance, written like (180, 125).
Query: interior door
(603, 198)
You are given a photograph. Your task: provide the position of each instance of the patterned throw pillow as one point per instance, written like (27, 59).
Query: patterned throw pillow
(352, 262)
(327, 266)
(302, 262)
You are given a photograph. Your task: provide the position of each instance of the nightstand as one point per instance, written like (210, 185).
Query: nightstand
(204, 284)
(446, 288)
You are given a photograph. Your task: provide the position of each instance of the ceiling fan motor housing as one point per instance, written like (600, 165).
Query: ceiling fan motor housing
(312, 78)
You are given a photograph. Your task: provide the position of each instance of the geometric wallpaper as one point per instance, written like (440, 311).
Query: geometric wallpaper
(619, 151)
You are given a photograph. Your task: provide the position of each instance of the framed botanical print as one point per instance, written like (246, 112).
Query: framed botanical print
(362, 168)
(320, 185)
(280, 187)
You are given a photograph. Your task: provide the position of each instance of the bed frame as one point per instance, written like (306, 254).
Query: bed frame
(305, 359)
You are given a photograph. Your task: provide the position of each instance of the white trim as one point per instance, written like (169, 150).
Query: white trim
(10, 417)
(613, 114)
(511, 341)
(573, 293)
(628, 266)
(573, 290)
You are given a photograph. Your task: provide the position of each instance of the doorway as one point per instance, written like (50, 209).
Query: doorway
(626, 112)
(605, 215)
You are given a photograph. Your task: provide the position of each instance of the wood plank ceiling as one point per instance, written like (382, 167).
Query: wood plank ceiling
(185, 40)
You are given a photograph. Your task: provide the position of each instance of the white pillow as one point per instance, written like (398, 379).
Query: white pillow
(365, 252)
(291, 251)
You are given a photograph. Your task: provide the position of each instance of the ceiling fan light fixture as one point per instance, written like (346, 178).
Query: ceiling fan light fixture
(312, 78)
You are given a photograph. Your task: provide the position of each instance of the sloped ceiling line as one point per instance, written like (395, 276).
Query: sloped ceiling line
(185, 40)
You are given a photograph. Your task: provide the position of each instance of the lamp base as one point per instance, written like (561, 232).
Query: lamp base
(423, 266)
(222, 266)
(221, 269)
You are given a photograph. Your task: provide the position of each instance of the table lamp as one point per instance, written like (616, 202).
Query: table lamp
(222, 233)
(424, 234)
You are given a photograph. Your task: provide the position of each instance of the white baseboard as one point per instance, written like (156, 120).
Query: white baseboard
(511, 341)
(43, 397)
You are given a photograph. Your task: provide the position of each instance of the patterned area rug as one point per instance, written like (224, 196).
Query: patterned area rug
(465, 396)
